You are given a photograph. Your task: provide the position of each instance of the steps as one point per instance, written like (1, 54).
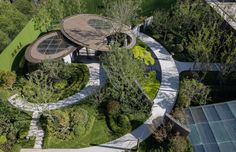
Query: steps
(36, 130)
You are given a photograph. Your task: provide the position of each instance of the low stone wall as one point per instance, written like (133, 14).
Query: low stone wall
(177, 126)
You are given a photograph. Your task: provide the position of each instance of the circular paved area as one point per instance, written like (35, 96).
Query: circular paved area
(91, 31)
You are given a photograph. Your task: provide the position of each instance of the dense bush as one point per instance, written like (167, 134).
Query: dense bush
(119, 124)
(7, 79)
(143, 54)
(3, 139)
(11, 23)
(166, 140)
(174, 28)
(12, 122)
(122, 80)
(60, 85)
(113, 107)
(65, 124)
(192, 92)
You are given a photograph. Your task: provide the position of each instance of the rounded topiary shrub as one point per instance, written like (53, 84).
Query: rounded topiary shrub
(3, 139)
(23, 134)
(60, 85)
(113, 107)
(179, 48)
(120, 124)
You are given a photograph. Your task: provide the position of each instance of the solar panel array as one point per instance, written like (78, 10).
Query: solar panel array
(53, 45)
(213, 127)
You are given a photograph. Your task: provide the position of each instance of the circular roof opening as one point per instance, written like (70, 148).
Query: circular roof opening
(99, 24)
(50, 46)
(91, 31)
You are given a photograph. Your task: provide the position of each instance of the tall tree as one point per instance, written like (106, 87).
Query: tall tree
(204, 45)
(123, 11)
(123, 71)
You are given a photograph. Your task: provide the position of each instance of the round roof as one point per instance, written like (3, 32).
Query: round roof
(92, 31)
(52, 45)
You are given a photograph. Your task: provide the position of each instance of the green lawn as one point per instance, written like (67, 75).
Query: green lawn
(100, 133)
(149, 6)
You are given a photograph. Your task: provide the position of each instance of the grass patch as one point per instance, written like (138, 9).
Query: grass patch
(149, 6)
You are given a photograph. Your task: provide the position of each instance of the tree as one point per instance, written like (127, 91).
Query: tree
(204, 45)
(26, 7)
(4, 40)
(122, 11)
(11, 22)
(228, 55)
(123, 71)
(37, 88)
(192, 92)
(51, 12)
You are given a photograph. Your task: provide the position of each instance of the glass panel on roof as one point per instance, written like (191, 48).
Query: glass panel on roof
(230, 126)
(194, 136)
(189, 116)
(53, 45)
(219, 132)
(227, 147)
(211, 148)
(224, 111)
(211, 113)
(205, 133)
(232, 106)
(198, 115)
(198, 148)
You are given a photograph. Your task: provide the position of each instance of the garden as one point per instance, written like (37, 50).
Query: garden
(190, 30)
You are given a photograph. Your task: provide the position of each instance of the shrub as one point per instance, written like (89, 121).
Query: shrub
(141, 53)
(79, 130)
(113, 107)
(120, 124)
(192, 92)
(3, 139)
(179, 48)
(7, 79)
(178, 144)
(60, 85)
(16, 148)
(151, 85)
(23, 134)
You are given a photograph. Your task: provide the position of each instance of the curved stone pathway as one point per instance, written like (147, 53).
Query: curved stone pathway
(163, 103)
(96, 80)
